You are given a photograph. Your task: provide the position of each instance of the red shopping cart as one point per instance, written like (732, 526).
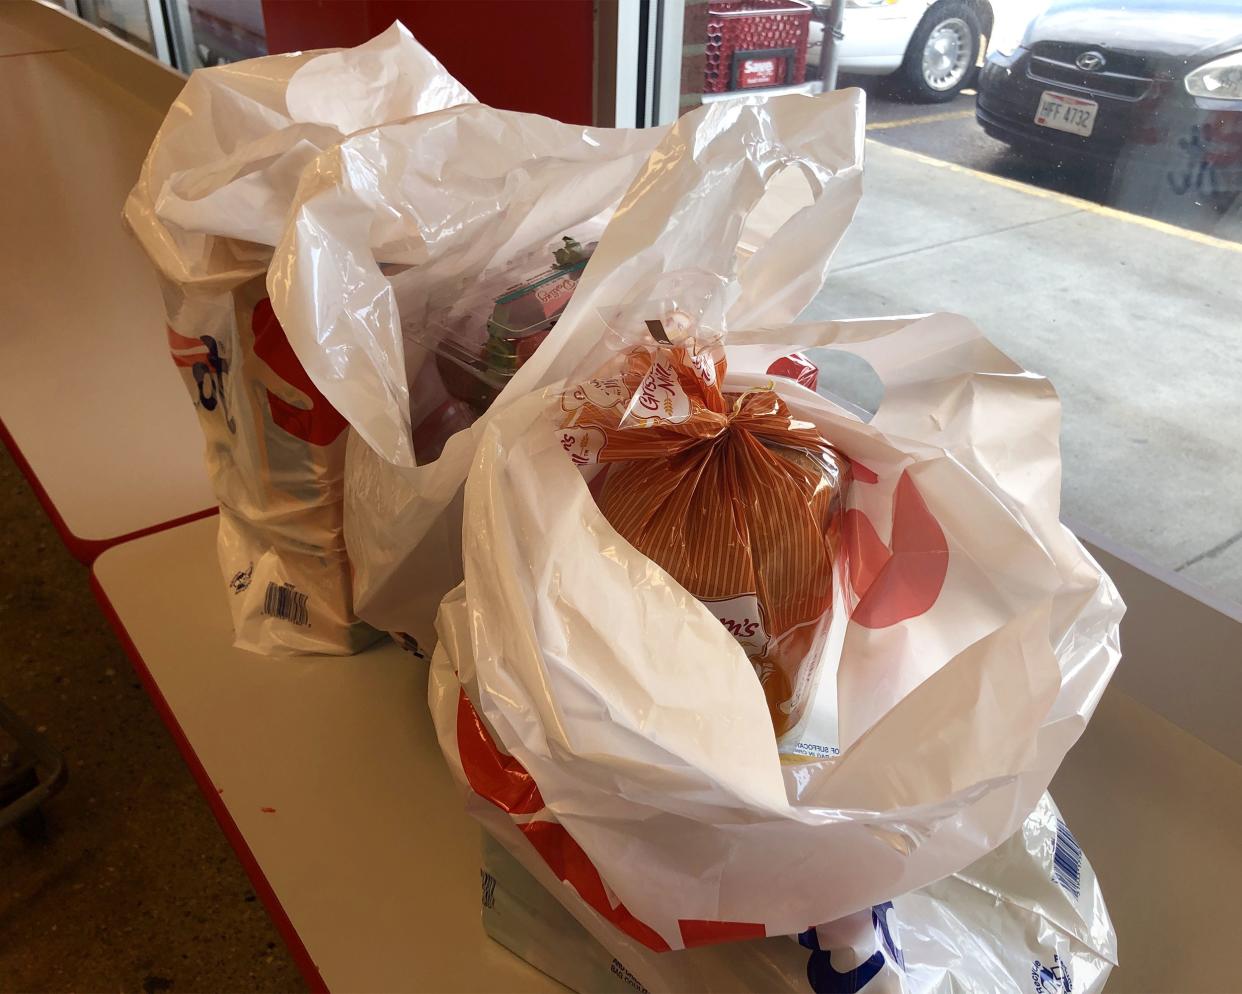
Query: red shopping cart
(755, 44)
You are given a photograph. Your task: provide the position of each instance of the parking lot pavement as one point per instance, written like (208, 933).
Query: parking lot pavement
(1134, 321)
(949, 132)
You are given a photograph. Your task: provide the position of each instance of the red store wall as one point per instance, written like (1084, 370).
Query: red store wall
(529, 55)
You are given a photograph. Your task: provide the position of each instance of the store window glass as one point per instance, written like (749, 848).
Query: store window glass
(215, 32)
(1066, 174)
(139, 22)
(187, 34)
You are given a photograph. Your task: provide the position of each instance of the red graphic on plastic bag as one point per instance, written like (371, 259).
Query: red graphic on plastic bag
(491, 774)
(699, 933)
(901, 581)
(186, 351)
(566, 859)
(502, 780)
(798, 368)
(321, 423)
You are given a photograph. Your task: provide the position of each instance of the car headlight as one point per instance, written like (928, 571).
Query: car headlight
(1006, 36)
(869, 3)
(1220, 79)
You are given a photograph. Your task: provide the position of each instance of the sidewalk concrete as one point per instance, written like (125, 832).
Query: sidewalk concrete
(1135, 323)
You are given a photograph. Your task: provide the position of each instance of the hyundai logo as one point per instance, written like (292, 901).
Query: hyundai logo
(1090, 61)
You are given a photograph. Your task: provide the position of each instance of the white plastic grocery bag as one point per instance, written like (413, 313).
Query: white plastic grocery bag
(1028, 918)
(629, 723)
(210, 202)
(395, 195)
(580, 692)
(602, 716)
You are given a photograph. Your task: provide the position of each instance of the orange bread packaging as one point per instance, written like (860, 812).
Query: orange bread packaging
(730, 493)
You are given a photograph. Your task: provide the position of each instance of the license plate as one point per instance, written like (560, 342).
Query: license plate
(1065, 113)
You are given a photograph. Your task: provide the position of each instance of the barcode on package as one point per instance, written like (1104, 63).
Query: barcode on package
(284, 602)
(1067, 860)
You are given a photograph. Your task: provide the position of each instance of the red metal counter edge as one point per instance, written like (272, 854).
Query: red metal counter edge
(84, 550)
(297, 949)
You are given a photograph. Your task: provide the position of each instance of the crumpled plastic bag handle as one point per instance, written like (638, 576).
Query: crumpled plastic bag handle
(228, 156)
(388, 78)
(688, 208)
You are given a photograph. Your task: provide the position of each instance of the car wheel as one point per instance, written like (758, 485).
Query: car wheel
(940, 59)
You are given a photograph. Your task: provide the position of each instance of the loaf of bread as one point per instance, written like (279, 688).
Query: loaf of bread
(739, 501)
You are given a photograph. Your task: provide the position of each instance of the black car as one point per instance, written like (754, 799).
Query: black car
(1151, 84)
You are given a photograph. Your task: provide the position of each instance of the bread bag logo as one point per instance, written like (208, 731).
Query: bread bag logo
(742, 619)
(582, 444)
(660, 396)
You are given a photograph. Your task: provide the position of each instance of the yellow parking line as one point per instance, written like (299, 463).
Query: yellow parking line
(948, 115)
(1083, 205)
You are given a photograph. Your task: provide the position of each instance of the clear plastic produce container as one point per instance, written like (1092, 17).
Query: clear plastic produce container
(477, 346)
